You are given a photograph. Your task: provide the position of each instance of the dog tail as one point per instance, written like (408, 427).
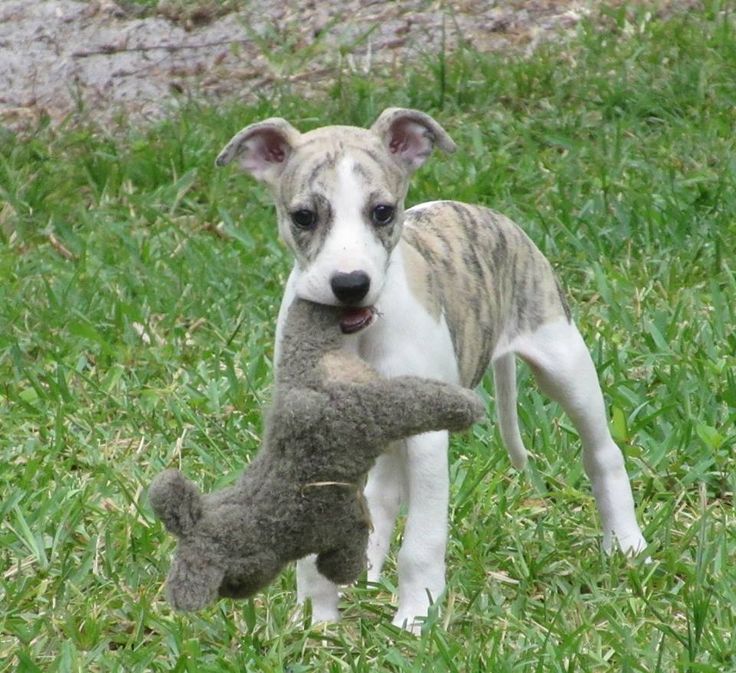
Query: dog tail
(504, 376)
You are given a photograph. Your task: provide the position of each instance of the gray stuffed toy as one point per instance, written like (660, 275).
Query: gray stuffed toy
(331, 417)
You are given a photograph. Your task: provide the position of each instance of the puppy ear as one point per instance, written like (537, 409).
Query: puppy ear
(410, 135)
(262, 149)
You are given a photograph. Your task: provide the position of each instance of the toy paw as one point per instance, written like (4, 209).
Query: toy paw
(341, 566)
(187, 599)
(476, 406)
(237, 588)
(466, 410)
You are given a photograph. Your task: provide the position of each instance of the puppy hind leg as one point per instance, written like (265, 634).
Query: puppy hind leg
(564, 370)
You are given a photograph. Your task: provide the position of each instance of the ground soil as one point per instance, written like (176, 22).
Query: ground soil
(99, 58)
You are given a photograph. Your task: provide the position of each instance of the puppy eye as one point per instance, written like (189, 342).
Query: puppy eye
(382, 214)
(304, 219)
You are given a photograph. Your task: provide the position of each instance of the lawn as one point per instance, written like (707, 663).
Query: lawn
(138, 293)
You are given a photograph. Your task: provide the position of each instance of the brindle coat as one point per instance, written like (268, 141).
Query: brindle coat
(483, 274)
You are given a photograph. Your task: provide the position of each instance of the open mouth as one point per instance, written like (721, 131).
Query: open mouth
(355, 319)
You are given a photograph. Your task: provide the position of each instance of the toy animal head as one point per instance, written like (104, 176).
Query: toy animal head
(222, 548)
(339, 194)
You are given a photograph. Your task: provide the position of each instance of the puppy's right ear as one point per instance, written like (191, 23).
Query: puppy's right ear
(262, 149)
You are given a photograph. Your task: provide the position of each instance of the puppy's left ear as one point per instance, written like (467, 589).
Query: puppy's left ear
(410, 135)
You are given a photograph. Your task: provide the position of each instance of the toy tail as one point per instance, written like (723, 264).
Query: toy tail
(176, 501)
(504, 376)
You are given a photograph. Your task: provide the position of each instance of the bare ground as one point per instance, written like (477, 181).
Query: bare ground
(99, 58)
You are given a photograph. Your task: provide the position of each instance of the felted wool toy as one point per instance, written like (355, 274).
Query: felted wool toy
(331, 417)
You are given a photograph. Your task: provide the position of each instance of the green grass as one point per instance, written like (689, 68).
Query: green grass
(146, 341)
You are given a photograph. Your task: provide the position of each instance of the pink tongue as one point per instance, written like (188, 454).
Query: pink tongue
(355, 319)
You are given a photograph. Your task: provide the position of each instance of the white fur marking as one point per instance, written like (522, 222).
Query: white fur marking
(350, 244)
(312, 585)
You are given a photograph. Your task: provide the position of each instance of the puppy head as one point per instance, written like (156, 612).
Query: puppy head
(339, 194)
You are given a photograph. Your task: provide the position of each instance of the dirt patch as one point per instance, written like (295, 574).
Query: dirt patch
(62, 57)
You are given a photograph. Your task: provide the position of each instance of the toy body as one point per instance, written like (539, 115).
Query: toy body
(331, 417)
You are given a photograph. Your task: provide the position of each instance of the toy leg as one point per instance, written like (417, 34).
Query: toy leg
(422, 555)
(247, 576)
(406, 405)
(344, 564)
(383, 493)
(564, 370)
(312, 585)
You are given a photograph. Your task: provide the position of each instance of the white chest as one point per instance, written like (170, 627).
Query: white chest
(407, 339)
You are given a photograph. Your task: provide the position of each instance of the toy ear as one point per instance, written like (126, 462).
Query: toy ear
(176, 501)
(410, 135)
(262, 149)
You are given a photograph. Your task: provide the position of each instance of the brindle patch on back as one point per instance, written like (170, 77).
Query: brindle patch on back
(422, 281)
(484, 273)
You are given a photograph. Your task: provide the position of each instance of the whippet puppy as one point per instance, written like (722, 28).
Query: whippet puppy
(441, 290)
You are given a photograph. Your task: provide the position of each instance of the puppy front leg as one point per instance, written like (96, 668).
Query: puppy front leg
(422, 555)
(383, 492)
(312, 585)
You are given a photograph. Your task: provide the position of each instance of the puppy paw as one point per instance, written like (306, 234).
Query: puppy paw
(631, 543)
(409, 623)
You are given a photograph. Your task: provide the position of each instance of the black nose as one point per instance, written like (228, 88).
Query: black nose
(351, 287)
